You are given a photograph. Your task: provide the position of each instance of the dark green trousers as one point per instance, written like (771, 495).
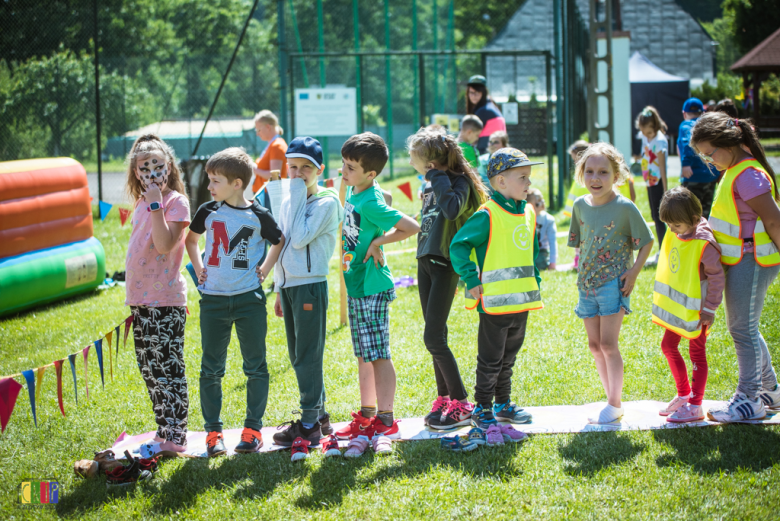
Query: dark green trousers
(305, 311)
(217, 316)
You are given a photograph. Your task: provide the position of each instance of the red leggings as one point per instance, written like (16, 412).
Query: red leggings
(698, 353)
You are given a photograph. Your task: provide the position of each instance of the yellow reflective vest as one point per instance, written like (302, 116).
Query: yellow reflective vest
(725, 223)
(677, 292)
(507, 274)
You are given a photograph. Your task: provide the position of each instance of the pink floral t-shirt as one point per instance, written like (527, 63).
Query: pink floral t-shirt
(153, 279)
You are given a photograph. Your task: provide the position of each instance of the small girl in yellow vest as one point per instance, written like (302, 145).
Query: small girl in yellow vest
(746, 221)
(607, 228)
(688, 290)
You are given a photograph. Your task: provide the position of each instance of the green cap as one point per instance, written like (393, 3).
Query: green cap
(478, 79)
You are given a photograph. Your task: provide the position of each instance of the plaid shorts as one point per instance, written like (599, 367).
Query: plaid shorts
(369, 320)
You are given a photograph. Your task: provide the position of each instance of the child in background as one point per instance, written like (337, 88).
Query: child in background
(607, 227)
(470, 127)
(155, 290)
(696, 176)
(368, 224)
(236, 231)
(453, 193)
(494, 254)
(546, 231)
(688, 290)
(498, 139)
(576, 190)
(654, 150)
(267, 128)
(746, 221)
(309, 220)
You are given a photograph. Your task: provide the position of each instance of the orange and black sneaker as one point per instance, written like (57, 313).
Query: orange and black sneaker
(251, 441)
(215, 444)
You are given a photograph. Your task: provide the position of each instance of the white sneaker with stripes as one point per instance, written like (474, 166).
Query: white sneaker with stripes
(771, 399)
(739, 408)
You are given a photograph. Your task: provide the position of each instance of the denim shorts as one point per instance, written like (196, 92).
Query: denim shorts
(603, 301)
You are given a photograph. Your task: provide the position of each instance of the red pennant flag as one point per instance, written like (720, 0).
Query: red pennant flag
(85, 352)
(123, 215)
(406, 188)
(128, 323)
(9, 390)
(187, 309)
(109, 336)
(58, 368)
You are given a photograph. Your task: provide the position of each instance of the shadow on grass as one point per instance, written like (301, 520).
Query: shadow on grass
(68, 301)
(336, 477)
(715, 449)
(588, 453)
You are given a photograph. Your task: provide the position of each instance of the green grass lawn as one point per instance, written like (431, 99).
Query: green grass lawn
(717, 472)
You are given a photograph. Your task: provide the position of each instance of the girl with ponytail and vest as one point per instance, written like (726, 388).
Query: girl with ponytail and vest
(745, 219)
(494, 254)
(453, 192)
(607, 228)
(688, 290)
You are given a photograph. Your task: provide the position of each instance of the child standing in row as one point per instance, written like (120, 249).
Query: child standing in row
(156, 291)
(494, 255)
(236, 231)
(606, 227)
(746, 221)
(654, 150)
(546, 232)
(470, 127)
(367, 226)
(498, 139)
(688, 290)
(452, 194)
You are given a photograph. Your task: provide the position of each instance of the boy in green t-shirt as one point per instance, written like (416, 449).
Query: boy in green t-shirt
(368, 224)
(470, 128)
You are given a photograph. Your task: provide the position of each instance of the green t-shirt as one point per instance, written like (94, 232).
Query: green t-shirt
(366, 217)
(468, 152)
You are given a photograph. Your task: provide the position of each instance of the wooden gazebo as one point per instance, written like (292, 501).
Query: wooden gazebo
(755, 67)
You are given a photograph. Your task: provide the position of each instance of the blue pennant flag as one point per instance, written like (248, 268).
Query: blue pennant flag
(104, 209)
(99, 352)
(72, 360)
(29, 375)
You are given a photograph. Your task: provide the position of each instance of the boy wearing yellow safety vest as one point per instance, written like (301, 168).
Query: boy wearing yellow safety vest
(688, 289)
(494, 253)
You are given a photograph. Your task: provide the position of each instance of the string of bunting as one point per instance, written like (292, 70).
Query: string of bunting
(10, 388)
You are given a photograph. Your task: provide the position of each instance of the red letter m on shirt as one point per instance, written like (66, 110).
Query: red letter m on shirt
(238, 243)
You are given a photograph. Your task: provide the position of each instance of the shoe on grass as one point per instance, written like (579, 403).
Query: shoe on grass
(251, 441)
(494, 436)
(676, 403)
(739, 408)
(477, 436)
(381, 444)
(483, 418)
(300, 449)
(325, 427)
(330, 447)
(357, 427)
(457, 444)
(357, 446)
(771, 399)
(392, 432)
(687, 413)
(510, 412)
(295, 429)
(512, 435)
(215, 444)
(456, 415)
(438, 407)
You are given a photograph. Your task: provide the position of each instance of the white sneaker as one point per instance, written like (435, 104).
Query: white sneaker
(676, 403)
(740, 408)
(771, 399)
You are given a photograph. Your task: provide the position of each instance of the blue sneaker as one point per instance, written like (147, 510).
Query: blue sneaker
(483, 418)
(477, 436)
(457, 444)
(510, 412)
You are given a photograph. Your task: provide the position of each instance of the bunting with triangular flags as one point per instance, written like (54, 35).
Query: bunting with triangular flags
(99, 353)
(128, 323)
(110, 356)
(116, 335)
(124, 213)
(406, 189)
(58, 369)
(104, 208)
(85, 353)
(9, 390)
(72, 360)
(39, 383)
(30, 377)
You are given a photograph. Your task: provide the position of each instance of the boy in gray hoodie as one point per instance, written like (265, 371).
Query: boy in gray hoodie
(309, 221)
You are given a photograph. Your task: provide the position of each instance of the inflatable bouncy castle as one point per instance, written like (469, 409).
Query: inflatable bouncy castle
(47, 251)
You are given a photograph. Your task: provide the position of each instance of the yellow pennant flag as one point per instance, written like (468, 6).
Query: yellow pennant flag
(39, 379)
(109, 336)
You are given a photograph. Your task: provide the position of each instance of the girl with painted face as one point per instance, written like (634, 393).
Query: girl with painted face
(156, 290)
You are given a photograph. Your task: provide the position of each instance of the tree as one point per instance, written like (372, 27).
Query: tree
(754, 21)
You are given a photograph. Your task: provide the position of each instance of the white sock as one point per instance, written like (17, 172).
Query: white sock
(607, 415)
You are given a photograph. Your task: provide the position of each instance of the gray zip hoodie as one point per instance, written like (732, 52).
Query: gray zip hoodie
(310, 227)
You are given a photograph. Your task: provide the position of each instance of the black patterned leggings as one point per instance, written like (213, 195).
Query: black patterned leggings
(159, 349)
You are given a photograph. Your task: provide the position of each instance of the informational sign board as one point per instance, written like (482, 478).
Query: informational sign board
(509, 110)
(329, 111)
(451, 122)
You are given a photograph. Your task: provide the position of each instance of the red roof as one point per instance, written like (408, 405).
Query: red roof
(763, 57)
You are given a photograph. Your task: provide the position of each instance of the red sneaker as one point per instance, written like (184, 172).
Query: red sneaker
(300, 449)
(381, 429)
(359, 426)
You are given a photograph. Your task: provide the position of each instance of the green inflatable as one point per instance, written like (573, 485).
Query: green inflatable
(43, 276)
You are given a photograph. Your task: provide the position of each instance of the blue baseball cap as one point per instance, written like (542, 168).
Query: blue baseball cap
(693, 105)
(506, 158)
(306, 148)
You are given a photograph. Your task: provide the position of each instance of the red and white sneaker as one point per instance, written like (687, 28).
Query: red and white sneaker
(381, 429)
(330, 446)
(359, 426)
(300, 449)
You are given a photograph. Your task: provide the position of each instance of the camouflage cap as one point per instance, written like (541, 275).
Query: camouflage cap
(506, 158)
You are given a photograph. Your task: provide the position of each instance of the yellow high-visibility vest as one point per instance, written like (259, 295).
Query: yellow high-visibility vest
(724, 221)
(507, 276)
(575, 191)
(677, 292)
(625, 188)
